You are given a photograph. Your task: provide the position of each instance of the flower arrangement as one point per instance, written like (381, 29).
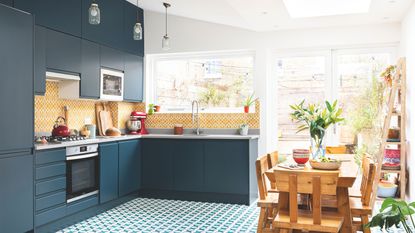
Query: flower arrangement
(387, 74)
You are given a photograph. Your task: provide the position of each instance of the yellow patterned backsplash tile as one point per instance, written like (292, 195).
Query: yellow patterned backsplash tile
(50, 106)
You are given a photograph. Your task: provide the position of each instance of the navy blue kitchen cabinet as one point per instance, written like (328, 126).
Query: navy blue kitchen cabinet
(63, 52)
(40, 60)
(129, 173)
(90, 70)
(50, 185)
(157, 164)
(133, 78)
(225, 166)
(110, 31)
(16, 182)
(7, 2)
(16, 89)
(108, 189)
(112, 58)
(130, 18)
(188, 160)
(60, 15)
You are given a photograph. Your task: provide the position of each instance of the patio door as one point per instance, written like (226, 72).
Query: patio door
(323, 75)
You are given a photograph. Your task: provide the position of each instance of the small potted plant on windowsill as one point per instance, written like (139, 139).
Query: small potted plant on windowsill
(249, 102)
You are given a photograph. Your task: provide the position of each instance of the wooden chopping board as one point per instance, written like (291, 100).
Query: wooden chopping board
(105, 119)
(98, 108)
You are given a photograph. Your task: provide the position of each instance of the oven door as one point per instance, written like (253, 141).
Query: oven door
(112, 85)
(82, 176)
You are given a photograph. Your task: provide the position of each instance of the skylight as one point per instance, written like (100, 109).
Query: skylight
(317, 8)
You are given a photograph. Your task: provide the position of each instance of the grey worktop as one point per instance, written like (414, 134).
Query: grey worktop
(130, 137)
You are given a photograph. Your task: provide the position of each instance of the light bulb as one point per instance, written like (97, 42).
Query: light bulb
(138, 32)
(94, 14)
(165, 45)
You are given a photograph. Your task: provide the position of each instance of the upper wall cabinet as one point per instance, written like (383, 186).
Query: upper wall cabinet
(63, 52)
(40, 60)
(133, 78)
(7, 2)
(90, 70)
(130, 18)
(112, 58)
(16, 89)
(60, 15)
(110, 30)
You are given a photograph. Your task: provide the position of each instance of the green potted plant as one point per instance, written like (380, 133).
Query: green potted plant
(394, 213)
(250, 100)
(316, 119)
(150, 109)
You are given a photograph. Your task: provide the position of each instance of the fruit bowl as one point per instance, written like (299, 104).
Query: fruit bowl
(325, 165)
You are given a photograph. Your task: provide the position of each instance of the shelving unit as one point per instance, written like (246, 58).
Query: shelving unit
(396, 100)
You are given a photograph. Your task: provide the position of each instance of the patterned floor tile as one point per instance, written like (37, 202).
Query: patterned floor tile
(155, 215)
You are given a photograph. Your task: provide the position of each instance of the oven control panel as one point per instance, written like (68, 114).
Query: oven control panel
(82, 149)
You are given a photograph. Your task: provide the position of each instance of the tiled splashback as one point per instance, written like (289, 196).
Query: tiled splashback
(50, 106)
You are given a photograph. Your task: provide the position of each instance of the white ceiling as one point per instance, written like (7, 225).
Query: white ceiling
(271, 15)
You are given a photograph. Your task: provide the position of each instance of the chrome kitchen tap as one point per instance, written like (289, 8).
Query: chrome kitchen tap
(196, 116)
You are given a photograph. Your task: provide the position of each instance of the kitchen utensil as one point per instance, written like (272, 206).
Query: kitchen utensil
(60, 129)
(98, 109)
(66, 111)
(92, 130)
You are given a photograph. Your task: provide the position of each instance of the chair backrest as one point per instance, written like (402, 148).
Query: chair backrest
(336, 149)
(272, 159)
(306, 182)
(368, 177)
(261, 165)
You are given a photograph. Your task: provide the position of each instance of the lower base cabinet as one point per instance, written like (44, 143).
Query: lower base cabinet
(16, 194)
(129, 166)
(108, 189)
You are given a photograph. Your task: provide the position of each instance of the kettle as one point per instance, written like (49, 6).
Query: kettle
(60, 129)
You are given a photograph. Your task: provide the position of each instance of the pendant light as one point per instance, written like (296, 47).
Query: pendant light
(165, 45)
(94, 14)
(138, 29)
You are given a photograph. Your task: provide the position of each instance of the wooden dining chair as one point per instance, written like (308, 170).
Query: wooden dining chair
(336, 150)
(316, 184)
(357, 192)
(362, 207)
(272, 159)
(268, 202)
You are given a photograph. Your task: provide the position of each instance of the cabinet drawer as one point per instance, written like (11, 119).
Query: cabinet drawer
(50, 171)
(50, 156)
(51, 200)
(81, 205)
(50, 215)
(50, 185)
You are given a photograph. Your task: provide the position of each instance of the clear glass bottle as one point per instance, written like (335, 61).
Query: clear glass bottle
(94, 14)
(165, 45)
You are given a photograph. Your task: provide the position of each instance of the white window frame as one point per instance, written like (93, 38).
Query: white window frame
(150, 83)
(332, 79)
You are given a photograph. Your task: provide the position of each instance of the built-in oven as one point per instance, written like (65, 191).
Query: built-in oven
(82, 172)
(112, 85)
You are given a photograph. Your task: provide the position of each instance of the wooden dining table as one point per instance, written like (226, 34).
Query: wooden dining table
(348, 172)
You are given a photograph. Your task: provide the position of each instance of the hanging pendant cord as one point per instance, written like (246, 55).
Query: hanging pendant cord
(137, 12)
(166, 20)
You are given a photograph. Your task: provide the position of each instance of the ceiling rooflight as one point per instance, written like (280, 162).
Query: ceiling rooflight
(317, 8)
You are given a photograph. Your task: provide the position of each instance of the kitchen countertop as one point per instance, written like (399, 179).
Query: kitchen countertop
(104, 139)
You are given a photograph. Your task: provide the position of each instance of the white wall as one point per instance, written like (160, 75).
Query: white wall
(408, 49)
(189, 35)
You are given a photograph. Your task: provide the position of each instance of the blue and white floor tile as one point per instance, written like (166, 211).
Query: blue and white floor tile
(155, 215)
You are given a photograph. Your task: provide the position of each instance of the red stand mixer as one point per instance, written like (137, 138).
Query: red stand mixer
(136, 125)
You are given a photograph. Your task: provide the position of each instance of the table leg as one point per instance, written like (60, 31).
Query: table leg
(343, 206)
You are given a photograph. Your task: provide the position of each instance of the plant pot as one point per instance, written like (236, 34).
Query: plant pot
(243, 130)
(246, 109)
(157, 108)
